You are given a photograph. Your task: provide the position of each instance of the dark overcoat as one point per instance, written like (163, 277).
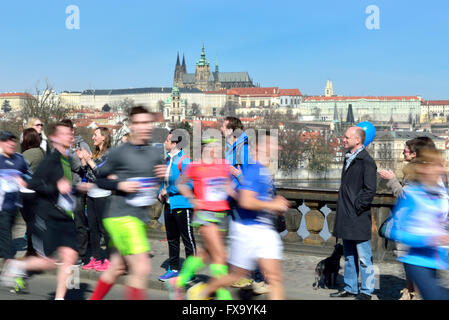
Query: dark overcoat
(357, 191)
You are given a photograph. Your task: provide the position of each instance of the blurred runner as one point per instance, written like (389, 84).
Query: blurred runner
(420, 221)
(54, 229)
(237, 153)
(252, 234)
(133, 170)
(412, 149)
(14, 170)
(211, 187)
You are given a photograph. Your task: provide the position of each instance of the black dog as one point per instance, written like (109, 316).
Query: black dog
(328, 268)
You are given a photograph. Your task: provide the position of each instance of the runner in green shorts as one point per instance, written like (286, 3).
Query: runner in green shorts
(128, 235)
(133, 170)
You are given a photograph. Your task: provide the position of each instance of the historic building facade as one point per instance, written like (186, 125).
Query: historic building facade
(206, 80)
(175, 107)
(15, 100)
(331, 107)
(435, 111)
(365, 108)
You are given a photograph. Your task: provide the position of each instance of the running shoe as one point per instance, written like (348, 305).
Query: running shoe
(405, 294)
(168, 275)
(12, 271)
(102, 266)
(174, 292)
(91, 264)
(242, 283)
(415, 296)
(261, 287)
(196, 292)
(19, 285)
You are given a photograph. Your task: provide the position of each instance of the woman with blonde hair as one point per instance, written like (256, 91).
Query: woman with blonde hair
(37, 125)
(97, 199)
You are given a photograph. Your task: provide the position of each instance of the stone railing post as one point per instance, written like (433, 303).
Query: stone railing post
(292, 221)
(155, 212)
(314, 223)
(331, 222)
(378, 243)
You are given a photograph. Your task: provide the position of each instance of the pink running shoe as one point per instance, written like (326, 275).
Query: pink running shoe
(174, 292)
(91, 264)
(101, 267)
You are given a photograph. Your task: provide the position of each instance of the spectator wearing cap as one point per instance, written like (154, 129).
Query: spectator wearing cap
(178, 211)
(14, 171)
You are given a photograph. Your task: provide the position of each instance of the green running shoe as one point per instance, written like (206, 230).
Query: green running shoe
(20, 285)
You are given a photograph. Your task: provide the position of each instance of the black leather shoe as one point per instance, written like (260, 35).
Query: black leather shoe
(363, 296)
(342, 294)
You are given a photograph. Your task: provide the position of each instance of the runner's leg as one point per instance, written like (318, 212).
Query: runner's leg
(214, 243)
(272, 269)
(139, 270)
(110, 276)
(217, 283)
(68, 258)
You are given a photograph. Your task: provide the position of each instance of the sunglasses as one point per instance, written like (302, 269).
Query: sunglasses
(39, 125)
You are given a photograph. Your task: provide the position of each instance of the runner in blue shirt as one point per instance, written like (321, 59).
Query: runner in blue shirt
(13, 172)
(253, 238)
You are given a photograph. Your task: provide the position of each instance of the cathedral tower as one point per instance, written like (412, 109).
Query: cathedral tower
(202, 72)
(179, 71)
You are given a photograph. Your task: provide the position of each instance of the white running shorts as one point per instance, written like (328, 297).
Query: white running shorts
(249, 243)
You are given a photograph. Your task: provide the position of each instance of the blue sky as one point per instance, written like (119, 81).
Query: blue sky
(290, 44)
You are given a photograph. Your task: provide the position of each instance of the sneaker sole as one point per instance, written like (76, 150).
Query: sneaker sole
(191, 292)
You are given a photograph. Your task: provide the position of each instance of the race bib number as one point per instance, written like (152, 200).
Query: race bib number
(147, 193)
(216, 189)
(67, 202)
(8, 180)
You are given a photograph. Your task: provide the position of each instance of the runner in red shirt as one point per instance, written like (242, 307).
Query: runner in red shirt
(212, 185)
(210, 182)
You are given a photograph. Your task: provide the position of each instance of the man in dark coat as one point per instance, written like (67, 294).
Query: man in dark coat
(353, 218)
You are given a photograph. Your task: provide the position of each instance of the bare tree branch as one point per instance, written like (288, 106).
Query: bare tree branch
(45, 105)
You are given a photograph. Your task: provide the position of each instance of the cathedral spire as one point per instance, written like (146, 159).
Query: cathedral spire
(184, 68)
(335, 112)
(177, 61)
(350, 116)
(202, 61)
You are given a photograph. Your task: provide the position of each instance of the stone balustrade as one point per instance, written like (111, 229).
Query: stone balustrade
(310, 221)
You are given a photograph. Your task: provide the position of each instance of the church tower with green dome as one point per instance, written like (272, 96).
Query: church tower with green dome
(202, 72)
